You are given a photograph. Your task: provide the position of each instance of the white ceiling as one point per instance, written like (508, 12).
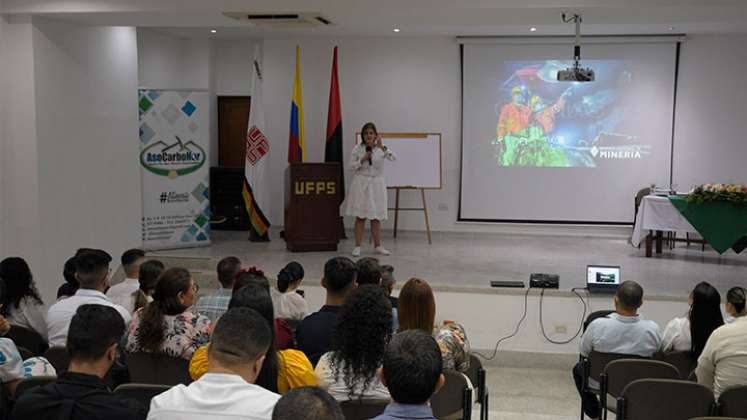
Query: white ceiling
(194, 18)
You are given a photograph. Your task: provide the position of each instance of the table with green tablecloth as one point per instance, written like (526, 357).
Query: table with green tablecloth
(723, 225)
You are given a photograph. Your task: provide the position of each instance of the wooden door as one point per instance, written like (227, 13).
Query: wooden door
(233, 117)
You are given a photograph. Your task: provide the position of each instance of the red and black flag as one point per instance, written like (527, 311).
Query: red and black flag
(333, 148)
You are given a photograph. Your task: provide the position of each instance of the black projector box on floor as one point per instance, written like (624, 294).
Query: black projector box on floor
(544, 281)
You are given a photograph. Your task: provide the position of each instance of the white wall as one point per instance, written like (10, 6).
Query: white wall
(19, 181)
(232, 67)
(710, 144)
(403, 85)
(167, 62)
(70, 176)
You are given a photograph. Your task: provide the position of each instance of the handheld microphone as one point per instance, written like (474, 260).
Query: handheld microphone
(368, 150)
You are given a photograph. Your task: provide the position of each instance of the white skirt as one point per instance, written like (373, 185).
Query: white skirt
(367, 198)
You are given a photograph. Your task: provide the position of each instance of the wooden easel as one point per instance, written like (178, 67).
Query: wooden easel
(424, 209)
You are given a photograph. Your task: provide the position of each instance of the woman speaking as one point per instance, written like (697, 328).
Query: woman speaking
(367, 198)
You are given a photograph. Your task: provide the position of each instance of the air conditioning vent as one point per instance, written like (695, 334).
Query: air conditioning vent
(280, 20)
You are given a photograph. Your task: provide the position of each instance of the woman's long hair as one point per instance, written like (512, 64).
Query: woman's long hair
(416, 307)
(165, 302)
(150, 271)
(291, 273)
(256, 297)
(705, 316)
(19, 284)
(364, 327)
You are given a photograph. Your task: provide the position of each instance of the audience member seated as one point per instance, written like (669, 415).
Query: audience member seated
(314, 334)
(690, 332)
(735, 304)
(71, 285)
(387, 282)
(282, 370)
(307, 403)
(369, 271)
(80, 393)
(723, 362)
(166, 326)
(417, 311)
(13, 369)
(254, 276)
(251, 275)
(289, 304)
(622, 332)
(348, 370)
(236, 353)
(216, 303)
(150, 272)
(121, 293)
(412, 372)
(20, 303)
(92, 273)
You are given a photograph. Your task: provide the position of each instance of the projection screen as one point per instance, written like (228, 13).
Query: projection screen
(538, 150)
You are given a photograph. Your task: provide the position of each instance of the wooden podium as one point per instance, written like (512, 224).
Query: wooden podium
(312, 206)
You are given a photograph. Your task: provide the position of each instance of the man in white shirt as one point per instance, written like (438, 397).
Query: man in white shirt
(92, 272)
(121, 293)
(621, 332)
(723, 363)
(227, 391)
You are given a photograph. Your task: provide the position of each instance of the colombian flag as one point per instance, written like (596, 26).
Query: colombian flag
(296, 146)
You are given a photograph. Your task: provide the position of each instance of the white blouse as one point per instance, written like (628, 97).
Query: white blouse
(289, 305)
(376, 168)
(29, 314)
(676, 335)
(325, 376)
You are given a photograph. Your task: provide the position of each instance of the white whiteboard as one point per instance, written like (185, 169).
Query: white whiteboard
(418, 163)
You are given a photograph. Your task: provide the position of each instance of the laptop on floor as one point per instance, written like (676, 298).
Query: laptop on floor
(603, 278)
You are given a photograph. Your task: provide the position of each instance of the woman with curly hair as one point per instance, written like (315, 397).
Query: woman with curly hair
(21, 304)
(165, 326)
(364, 327)
(282, 369)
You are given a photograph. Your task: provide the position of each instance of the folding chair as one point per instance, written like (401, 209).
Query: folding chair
(664, 399)
(619, 373)
(142, 393)
(363, 409)
(682, 360)
(147, 368)
(593, 366)
(733, 402)
(477, 376)
(28, 339)
(454, 397)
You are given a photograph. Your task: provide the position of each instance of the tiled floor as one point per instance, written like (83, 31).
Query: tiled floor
(474, 259)
(531, 394)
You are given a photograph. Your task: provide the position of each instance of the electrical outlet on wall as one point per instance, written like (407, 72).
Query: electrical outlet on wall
(561, 329)
(443, 207)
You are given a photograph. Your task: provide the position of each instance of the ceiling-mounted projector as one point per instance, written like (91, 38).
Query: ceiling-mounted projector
(576, 73)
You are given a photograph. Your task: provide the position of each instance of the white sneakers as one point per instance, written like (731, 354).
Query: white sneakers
(379, 250)
(382, 251)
